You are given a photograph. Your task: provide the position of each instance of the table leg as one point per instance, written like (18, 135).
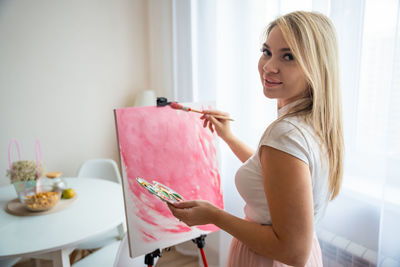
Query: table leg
(37, 263)
(61, 258)
(121, 231)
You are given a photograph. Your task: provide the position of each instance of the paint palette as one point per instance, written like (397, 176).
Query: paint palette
(161, 191)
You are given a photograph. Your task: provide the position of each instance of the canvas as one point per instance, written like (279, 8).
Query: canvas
(171, 147)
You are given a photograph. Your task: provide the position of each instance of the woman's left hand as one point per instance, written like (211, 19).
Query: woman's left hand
(195, 212)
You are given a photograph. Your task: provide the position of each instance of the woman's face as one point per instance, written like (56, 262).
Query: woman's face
(281, 76)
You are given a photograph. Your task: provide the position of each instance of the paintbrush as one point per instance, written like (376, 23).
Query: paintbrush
(176, 105)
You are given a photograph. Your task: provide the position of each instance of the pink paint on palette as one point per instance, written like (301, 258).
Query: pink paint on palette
(171, 147)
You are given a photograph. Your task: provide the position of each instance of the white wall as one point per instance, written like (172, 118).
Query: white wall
(64, 67)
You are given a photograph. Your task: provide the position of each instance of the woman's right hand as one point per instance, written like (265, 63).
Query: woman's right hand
(221, 126)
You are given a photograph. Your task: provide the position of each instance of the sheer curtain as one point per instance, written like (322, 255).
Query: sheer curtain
(360, 227)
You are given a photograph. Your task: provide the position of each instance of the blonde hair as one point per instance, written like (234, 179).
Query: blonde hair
(311, 38)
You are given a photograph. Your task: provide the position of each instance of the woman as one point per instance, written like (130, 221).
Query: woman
(297, 167)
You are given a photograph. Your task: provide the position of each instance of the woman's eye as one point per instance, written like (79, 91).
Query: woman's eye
(266, 52)
(288, 56)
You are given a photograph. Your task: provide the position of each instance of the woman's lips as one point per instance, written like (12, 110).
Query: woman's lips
(271, 83)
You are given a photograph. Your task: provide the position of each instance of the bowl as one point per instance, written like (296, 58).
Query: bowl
(41, 201)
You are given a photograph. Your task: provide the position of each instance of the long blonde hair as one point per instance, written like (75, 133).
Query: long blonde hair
(311, 38)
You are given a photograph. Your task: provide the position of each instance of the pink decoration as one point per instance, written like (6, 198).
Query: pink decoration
(171, 147)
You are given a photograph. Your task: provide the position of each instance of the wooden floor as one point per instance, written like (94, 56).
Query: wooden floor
(170, 258)
(174, 258)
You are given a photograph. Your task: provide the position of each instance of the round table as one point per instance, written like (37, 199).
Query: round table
(99, 207)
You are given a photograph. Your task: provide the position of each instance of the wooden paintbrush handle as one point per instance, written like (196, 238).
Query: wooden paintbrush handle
(195, 110)
(222, 117)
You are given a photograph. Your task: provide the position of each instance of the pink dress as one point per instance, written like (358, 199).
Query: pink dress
(241, 256)
(295, 137)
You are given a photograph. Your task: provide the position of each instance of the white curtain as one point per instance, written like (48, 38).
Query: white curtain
(361, 227)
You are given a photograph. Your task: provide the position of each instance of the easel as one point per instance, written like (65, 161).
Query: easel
(200, 242)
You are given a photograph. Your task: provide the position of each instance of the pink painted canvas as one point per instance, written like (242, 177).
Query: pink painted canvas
(171, 147)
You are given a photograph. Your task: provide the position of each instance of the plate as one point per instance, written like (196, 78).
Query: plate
(15, 207)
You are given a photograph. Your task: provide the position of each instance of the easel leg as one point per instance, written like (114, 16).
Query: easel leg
(201, 242)
(149, 258)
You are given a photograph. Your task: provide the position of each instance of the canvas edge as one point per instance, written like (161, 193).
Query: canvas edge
(123, 175)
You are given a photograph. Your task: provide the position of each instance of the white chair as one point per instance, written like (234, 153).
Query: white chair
(124, 260)
(103, 169)
(115, 254)
(100, 168)
(102, 257)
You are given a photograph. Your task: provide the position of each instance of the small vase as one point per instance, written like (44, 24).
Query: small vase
(25, 188)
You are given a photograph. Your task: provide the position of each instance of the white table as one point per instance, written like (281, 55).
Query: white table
(99, 207)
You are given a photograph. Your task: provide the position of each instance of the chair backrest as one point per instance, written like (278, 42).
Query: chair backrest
(122, 258)
(100, 168)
